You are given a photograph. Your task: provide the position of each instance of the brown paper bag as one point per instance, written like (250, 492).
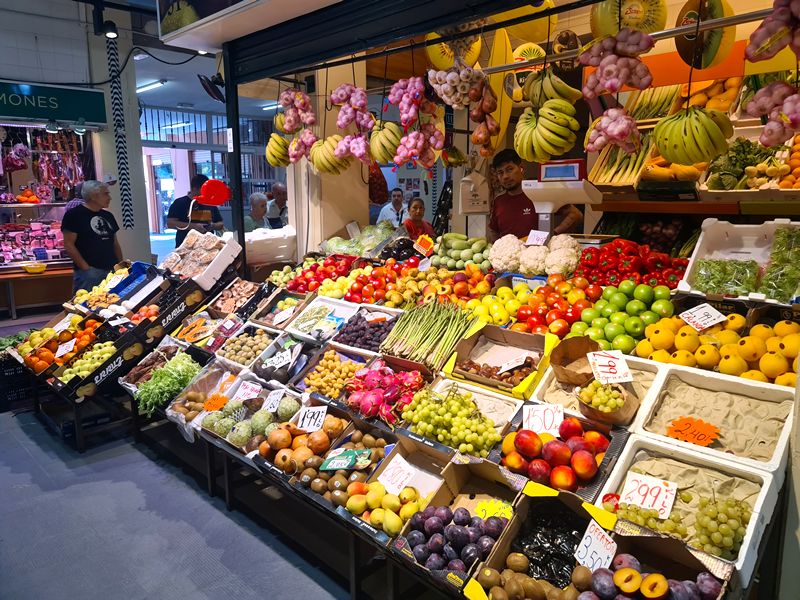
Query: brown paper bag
(569, 362)
(621, 416)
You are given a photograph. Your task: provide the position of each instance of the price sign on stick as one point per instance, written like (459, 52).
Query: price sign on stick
(596, 550)
(609, 366)
(65, 347)
(649, 492)
(542, 418)
(273, 400)
(396, 475)
(63, 324)
(424, 265)
(702, 316)
(311, 418)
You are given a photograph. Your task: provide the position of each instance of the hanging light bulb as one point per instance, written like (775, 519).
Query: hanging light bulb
(79, 127)
(51, 127)
(109, 30)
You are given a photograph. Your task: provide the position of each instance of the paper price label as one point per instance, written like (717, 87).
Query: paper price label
(424, 265)
(115, 280)
(375, 317)
(537, 237)
(513, 363)
(596, 550)
(282, 315)
(542, 418)
(533, 284)
(62, 324)
(311, 418)
(272, 400)
(65, 347)
(397, 474)
(118, 321)
(650, 493)
(284, 357)
(694, 431)
(702, 316)
(247, 390)
(609, 366)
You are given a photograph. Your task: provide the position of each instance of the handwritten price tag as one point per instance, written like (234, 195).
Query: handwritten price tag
(284, 357)
(650, 493)
(397, 474)
(609, 366)
(542, 418)
(282, 315)
(215, 402)
(537, 237)
(694, 431)
(273, 400)
(494, 508)
(513, 363)
(63, 324)
(596, 550)
(115, 281)
(65, 347)
(246, 390)
(311, 418)
(702, 316)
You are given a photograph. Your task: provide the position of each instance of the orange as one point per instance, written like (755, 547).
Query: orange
(30, 360)
(81, 344)
(794, 162)
(46, 355)
(39, 366)
(796, 172)
(785, 185)
(51, 345)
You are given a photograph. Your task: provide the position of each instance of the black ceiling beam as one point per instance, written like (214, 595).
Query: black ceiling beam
(125, 7)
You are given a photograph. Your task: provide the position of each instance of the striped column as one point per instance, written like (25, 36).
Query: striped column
(120, 141)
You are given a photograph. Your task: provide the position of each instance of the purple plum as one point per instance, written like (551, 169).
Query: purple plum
(691, 588)
(474, 534)
(435, 562)
(444, 513)
(433, 525)
(676, 590)
(449, 552)
(708, 586)
(603, 584)
(457, 565)
(417, 521)
(485, 545)
(421, 553)
(588, 596)
(505, 521)
(476, 522)
(493, 527)
(415, 538)
(626, 561)
(457, 535)
(624, 597)
(470, 554)
(429, 512)
(436, 543)
(461, 517)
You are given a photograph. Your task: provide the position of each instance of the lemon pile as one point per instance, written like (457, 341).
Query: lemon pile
(767, 353)
(501, 308)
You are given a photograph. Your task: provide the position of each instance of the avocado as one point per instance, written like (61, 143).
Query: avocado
(281, 375)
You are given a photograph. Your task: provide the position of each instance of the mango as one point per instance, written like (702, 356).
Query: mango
(356, 504)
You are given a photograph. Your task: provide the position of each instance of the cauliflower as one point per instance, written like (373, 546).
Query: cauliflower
(563, 260)
(532, 260)
(563, 241)
(505, 252)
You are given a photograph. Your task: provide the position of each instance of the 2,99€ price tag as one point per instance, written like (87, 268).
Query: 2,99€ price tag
(542, 418)
(609, 366)
(596, 550)
(702, 316)
(311, 418)
(650, 493)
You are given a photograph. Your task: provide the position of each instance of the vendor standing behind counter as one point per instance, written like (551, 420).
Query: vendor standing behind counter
(277, 211)
(513, 212)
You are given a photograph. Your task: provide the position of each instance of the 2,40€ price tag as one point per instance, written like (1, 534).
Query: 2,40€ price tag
(311, 418)
(650, 493)
(272, 400)
(397, 474)
(702, 316)
(596, 550)
(609, 366)
(542, 418)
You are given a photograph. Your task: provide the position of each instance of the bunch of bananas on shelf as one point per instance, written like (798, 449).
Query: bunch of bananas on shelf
(695, 135)
(384, 141)
(545, 85)
(551, 132)
(278, 151)
(325, 160)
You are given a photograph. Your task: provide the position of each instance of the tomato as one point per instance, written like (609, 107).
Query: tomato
(524, 312)
(313, 285)
(563, 288)
(552, 299)
(554, 315)
(535, 320)
(593, 292)
(412, 261)
(579, 282)
(581, 304)
(368, 290)
(541, 310)
(522, 327)
(554, 279)
(559, 327)
(540, 329)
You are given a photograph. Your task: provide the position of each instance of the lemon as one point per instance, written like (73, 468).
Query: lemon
(774, 345)
(782, 328)
(755, 375)
(732, 364)
(789, 379)
(687, 329)
(707, 356)
(728, 349)
(644, 349)
(683, 358)
(773, 364)
(662, 338)
(790, 345)
(661, 356)
(751, 348)
(762, 331)
(688, 341)
(735, 322)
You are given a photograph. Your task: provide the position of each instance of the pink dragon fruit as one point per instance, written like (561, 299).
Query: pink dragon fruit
(388, 415)
(410, 379)
(372, 379)
(355, 398)
(391, 394)
(404, 400)
(371, 403)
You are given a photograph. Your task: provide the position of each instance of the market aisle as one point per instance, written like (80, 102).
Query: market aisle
(115, 523)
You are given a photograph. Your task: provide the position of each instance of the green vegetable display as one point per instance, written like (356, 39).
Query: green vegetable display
(782, 277)
(726, 277)
(167, 382)
(13, 340)
(726, 172)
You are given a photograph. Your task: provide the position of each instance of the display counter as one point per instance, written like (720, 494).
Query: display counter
(31, 290)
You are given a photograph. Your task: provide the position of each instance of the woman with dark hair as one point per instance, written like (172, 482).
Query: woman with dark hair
(416, 225)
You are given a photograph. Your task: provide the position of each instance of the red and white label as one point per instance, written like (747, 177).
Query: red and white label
(247, 389)
(702, 316)
(649, 492)
(609, 366)
(542, 418)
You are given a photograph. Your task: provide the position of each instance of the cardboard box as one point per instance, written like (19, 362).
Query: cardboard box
(267, 308)
(175, 303)
(298, 384)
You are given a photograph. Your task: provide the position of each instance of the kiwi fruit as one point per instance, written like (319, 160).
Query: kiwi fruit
(505, 576)
(488, 578)
(307, 476)
(342, 472)
(714, 45)
(325, 475)
(531, 587)
(514, 589)
(368, 441)
(359, 476)
(349, 446)
(518, 562)
(337, 482)
(360, 446)
(339, 497)
(327, 496)
(644, 15)
(497, 593)
(380, 442)
(313, 462)
(582, 578)
(319, 486)
(356, 437)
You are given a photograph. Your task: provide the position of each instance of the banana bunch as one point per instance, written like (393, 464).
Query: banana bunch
(545, 85)
(384, 141)
(279, 121)
(551, 133)
(323, 158)
(278, 151)
(696, 135)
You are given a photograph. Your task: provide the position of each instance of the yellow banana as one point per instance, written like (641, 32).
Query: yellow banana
(561, 105)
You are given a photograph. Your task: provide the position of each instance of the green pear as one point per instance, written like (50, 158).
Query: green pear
(391, 502)
(407, 510)
(392, 524)
(376, 518)
(408, 494)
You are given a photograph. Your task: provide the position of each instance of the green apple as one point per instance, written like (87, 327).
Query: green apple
(644, 293)
(635, 307)
(663, 308)
(624, 343)
(609, 291)
(619, 317)
(661, 292)
(573, 334)
(600, 322)
(589, 314)
(626, 286)
(604, 344)
(619, 300)
(579, 327)
(612, 330)
(594, 333)
(608, 310)
(649, 317)
(600, 304)
(634, 326)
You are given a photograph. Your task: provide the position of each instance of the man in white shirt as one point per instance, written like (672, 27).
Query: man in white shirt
(395, 211)
(277, 211)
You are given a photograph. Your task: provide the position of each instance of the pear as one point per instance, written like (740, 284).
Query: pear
(408, 494)
(374, 498)
(376, 518)
(356, 504)
(408, 509)
(377, 485)
(392, 524)
(391, 502)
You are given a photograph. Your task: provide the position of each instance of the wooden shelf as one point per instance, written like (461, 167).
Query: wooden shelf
(690, 207)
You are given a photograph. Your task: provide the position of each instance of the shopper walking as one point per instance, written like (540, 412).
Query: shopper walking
(90, 236)
(258, 208)
(203, 218)
(513, 212)
(416, 225)
(277, 211)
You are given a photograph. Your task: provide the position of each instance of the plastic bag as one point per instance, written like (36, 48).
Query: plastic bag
(727, 277)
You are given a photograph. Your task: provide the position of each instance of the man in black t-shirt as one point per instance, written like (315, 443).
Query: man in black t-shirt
(203, 218)
(90, 236)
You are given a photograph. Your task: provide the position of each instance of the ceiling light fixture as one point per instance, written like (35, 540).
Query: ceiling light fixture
(176, 125)
(79, 127)
(51, 127)
(140, 56)
(270, 106)
(109, 30)
(202, 52)
(150, 86)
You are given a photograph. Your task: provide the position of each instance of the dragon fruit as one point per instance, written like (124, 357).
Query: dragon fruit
(380, 392)
(371, 403)
(387, 414)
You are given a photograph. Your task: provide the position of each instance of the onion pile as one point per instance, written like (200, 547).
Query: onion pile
(453, 85)
(617, 62)
(780, 29)
(409, 96)
(616, 127)
(781, 103)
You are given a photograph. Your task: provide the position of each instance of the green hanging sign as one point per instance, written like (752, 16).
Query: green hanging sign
(35, 102)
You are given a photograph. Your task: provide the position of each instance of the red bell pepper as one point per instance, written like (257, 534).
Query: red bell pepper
(629, 264)
(680, 263)
(590, 257)
(657, 261)
(644, 250)
(652, 279)
(627, 247)
(634, 277)
(581, 271)
(608, 260)
(612, 277)
(596, 277)
(671, 277)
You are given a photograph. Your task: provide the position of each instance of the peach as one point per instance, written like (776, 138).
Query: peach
(583, 464)
(556, 453)
(598, 458)
(515, 462)
(570, 427)
(539, 471)
(563, 478)
(627, 580)
(508, 443)
(654, 587)
(528, 443)
(597, 439)
(546, 437)
(576, 443)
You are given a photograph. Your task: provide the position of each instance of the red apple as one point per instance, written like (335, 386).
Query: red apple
(539, 471)
(577, 443)
(534, 320)
(556, 453)
(528, 443)
(570, 427)
(593, 292)
(559, 327)
(553, 315)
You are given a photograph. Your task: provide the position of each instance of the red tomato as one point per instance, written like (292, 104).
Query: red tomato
(519, 327)
(579, 282)
(313, 285)
(571, 315)
(555, 278)
(541, 310)
(593, 292)
(554, 315)
(552, 299)
(563, 288)
(524, 312)
(356, 287)
(540, 329)
(559, 327)
(581, 304)
(535, 320)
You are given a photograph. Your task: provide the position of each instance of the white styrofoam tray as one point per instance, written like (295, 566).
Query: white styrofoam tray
(441, 384)
(711, 381)
(340, 308)
(763, 507)
(238, 366)
(724, 240)
(365, 308)
(222, 261)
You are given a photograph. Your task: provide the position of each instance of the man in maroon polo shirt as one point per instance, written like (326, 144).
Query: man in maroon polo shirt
(513, 212)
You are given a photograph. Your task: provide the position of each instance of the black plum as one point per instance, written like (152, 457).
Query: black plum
(461, 516)
(415, 538)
